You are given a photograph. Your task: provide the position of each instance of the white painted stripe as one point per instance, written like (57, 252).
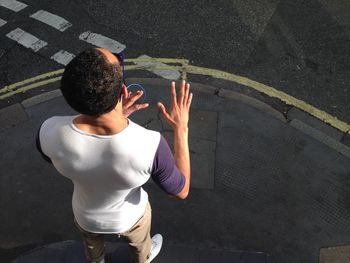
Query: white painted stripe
(63, 57)
(167, 74)
(102, 41)
(25, 39)
(13, 5)
(50, 19)
(2, 22)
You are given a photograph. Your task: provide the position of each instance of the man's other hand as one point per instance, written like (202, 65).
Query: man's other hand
(129, 100)
(177, 116)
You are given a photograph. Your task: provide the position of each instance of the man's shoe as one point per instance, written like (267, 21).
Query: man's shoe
(157, 241)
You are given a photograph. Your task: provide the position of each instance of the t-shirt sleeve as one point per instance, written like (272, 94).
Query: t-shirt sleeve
(38, 146)
(164, 171)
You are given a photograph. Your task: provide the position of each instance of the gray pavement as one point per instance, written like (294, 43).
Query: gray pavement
(260, 182)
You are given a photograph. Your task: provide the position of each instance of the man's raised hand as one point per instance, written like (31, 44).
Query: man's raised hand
(178, 114)
(129, 99)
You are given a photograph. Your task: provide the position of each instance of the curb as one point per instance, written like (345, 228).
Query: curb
(221, 93)
(302, 121)
(43, 97)
(321, 137)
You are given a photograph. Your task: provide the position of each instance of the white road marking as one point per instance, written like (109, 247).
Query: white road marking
(50, 19)
(27, 40)
(167, 74)
(102, 41)
(63, 57)
(13, 5)
(2, 22)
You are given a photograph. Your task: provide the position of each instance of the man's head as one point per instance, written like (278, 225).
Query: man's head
(91, 82)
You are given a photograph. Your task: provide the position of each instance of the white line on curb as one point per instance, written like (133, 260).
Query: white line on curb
(13, 5)
(102, 41)
(2, 22)
(50, 19)
(63, 57)
(167, 74)
(25, 39)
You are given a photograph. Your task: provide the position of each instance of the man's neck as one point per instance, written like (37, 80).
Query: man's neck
(107, 124)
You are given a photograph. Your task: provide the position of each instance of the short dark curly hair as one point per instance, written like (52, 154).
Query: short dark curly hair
(91, 84)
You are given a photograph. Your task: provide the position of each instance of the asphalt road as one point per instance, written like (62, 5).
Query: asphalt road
(300, 47)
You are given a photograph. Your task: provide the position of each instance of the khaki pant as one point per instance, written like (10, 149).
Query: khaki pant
(138, 237)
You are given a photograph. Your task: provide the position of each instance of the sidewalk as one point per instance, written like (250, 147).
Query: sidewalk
(259, 182)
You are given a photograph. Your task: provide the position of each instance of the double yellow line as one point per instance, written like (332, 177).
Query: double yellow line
(32, 83)
(183, 66)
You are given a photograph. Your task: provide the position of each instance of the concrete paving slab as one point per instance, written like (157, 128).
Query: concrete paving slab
(12, 115)
(202, 154)
(203, 125)
(295, 113)
(148, 118)
(340, 254)
(73, 252)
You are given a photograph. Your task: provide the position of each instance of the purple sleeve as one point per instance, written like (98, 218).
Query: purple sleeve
(164, 171)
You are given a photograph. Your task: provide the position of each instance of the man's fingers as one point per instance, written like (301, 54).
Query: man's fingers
(189, 100)
(133, 98)
(141, 106)
(134, 108)
(137, 107)
(137, 94)
(173, 93)
(182, 92)
(163, 110)
(187, 89)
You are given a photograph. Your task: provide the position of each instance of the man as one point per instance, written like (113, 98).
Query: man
(109, 158)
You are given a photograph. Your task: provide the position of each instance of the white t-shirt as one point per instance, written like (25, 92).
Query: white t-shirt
(107, 171)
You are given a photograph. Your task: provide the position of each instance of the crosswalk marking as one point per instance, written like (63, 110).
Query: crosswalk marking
(167, 74)
(13, 5)
(50, 19)
(63, 57)
(25, 39)
(102, 41)
(2, 22)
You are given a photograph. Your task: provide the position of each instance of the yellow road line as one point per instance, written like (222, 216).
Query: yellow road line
(185, 68)
(153, 67)
(29, 87)
(34, 79)
(272, 92)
